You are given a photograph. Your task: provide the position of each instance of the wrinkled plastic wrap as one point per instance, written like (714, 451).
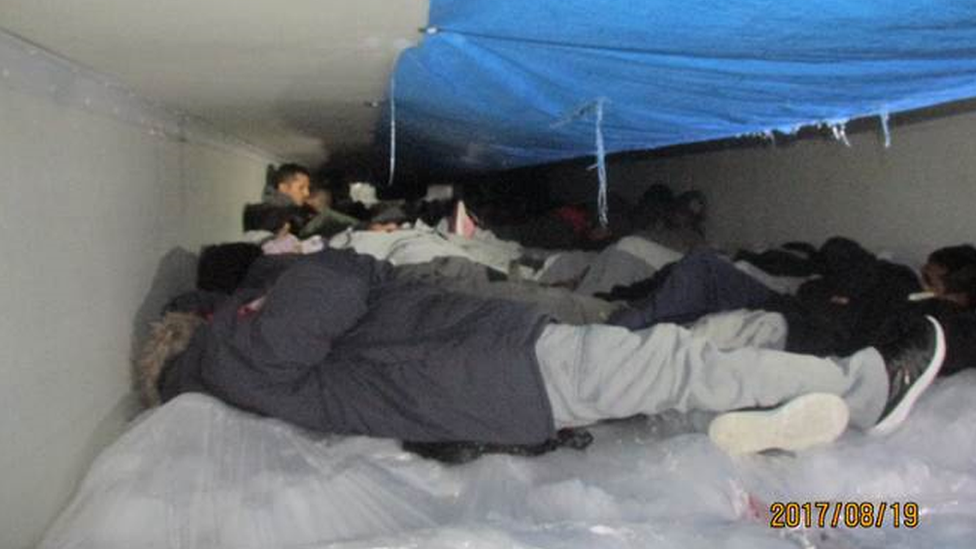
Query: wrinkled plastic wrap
(197, 474)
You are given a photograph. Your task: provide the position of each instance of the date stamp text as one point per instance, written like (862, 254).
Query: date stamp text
(847, 514)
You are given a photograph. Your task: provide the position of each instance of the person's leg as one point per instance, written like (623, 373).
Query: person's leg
(565, 266)
(699, 284)
(610, 268)
(460, 275)
(601, 372)
(561, 304)
(652, 253)
(731, 330)
(449, 269)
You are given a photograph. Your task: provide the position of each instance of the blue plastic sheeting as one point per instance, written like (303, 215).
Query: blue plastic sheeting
(507, 83)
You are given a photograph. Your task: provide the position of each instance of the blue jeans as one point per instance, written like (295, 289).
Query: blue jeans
(700, 283)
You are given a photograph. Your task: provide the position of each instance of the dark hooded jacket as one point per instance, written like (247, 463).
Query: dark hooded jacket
(341, 345)
(875, 290)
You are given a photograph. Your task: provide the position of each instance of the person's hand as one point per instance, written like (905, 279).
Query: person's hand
(284, 230)
(312, 245)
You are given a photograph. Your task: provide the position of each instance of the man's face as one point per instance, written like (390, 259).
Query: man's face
(296, 188)
(933, 279)
(933, 276)
(320, 201)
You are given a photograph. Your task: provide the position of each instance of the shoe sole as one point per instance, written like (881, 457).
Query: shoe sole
(808, 420)
(898, 415)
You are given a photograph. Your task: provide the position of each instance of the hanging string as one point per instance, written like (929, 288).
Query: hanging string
(392, 126)
(601, 164)
(885, 129)
(839, 130)
(596, 107)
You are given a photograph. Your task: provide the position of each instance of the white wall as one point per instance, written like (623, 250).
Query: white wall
(917, 195)
(98, 195)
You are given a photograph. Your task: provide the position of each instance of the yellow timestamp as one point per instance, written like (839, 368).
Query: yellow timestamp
(848, 514)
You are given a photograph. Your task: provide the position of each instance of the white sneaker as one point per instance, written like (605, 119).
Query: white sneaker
(805, 421)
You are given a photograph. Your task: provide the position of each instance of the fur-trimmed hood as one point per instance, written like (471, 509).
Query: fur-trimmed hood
(167, 339)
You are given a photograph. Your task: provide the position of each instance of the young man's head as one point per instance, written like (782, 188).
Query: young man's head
(293, 181)
(688, 211)
(653, 206)
(319, 199)
(950, 273)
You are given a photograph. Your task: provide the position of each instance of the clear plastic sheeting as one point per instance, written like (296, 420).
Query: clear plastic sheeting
(199, 474)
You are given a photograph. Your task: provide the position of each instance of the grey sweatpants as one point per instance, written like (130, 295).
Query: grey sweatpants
(730, 330)
(460, 275)
(598, 372)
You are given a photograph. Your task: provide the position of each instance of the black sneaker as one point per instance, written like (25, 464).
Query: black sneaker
(913, 354)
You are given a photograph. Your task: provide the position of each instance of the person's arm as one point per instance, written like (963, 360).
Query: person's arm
(636, 316)
(339, 217)
(309, 306)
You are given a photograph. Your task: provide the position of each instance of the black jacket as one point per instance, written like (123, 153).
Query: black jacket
(341, 345)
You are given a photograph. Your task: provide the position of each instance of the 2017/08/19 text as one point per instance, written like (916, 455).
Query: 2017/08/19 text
(822, 514)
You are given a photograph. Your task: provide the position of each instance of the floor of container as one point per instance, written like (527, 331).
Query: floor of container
(199, 474)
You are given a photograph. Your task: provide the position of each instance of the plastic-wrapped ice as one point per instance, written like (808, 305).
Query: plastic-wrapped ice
(199, 474)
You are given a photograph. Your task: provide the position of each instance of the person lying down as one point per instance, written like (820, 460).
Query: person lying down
(340, 345)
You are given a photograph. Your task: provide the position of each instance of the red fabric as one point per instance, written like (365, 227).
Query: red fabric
(576, 216)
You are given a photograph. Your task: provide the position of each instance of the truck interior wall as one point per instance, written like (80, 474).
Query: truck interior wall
(100, 221)
(906, 199)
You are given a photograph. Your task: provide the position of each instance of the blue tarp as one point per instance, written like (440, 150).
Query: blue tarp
(506, 83)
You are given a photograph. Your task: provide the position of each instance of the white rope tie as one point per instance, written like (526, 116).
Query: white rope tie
(886, 129)
(392, 126)
(601, 164)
